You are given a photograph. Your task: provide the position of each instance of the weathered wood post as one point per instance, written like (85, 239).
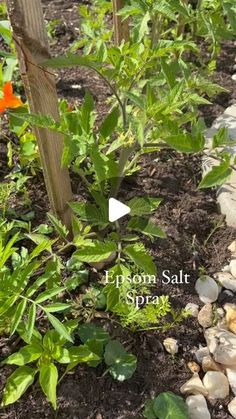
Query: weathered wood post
(121, 29)
(30, 36)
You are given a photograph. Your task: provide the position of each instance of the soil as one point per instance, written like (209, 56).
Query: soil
(197, 238)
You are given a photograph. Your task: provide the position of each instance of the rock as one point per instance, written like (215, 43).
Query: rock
(233, 267)
(226, 268)
(217, 385)
(207, 289)
(192, 308)
(205, 316)
(231, 374)
(232, 247)
(227, 280)
(171, 346)
(225, 347)
(234, 77)
(231, 317)
(193, 366)
(232, 407)
(194, 386)
(201, 353)
(211, 339)
(197, 407)
(220, 312)
(208, 364)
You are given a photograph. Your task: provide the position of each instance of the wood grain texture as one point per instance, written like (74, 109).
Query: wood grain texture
(26, 17)
(121, 29)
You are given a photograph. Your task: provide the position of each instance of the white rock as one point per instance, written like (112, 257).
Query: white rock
(234, 77)
(225, 351)
(233, 267)
(197, 407)
(232, 247)
(227, 280)
(171, 346)
(205, 316)
(208, 364)
(226, 268)
(194, 386)
(231, 374)
(201, 353)
(232, 407)
(192, 308)
(217, 385)
(207, 289)
(211, 339)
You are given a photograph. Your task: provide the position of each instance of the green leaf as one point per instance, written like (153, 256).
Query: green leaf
(59, 327)
(122, 364)
(54, 308)
(148, 412)
(110, 123)
(17, 384)
(89, 213)
(98, 161)
(186, 143)
(48, 294)
(48, 379)
(217, 176)
(18, 315)
(138, 101)
(96, 252)
(70, 60)
(143, 206)
(25, 355)
(81, 354)
(145, 227)
(90, 331)
(59, 227)
(139, 256)
(169, 406)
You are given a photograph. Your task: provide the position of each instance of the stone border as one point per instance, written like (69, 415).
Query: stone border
(226, 195)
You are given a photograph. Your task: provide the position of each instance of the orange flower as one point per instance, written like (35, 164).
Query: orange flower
(9, 100)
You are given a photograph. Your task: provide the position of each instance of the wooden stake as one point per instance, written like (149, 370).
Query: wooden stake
(121, 29)
(30, 36)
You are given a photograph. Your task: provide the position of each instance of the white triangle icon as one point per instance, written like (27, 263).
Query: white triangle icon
(117, 210)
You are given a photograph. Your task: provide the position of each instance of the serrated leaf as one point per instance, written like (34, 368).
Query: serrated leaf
(217, 176)
(110, 123)
(146, 227)
(143, 206)
(186, 143)
(70, 60)
(17, 384)
(96, 252)
(59, 227)
(48, 379)
(139, 256)
(89, 213)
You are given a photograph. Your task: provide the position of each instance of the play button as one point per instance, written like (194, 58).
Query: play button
(117, 210)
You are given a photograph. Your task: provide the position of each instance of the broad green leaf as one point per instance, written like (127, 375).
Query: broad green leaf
(44, 245)
(25, 355)
(138, 101)
(99, 163)
(48, 294)
(70, 60)
(20, 309)
(145, 227)
(81, 354)
(89, 213)
(143, 206)
(59, 227)
(59, 327)
(148, 412)
(170, 406)
(90, 331)
(17, 384)
(48, 379)
(110, 123)
(186, 143)
(217, 176)
(122, 364)
(96, 252)
(139, 256)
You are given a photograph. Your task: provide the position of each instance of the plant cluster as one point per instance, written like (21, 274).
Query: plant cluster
(157, 81)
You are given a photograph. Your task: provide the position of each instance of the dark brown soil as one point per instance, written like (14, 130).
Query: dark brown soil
(188, 216)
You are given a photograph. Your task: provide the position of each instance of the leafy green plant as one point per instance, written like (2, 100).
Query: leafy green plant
(166, 406)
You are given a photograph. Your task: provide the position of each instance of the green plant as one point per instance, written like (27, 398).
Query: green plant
(166, 405)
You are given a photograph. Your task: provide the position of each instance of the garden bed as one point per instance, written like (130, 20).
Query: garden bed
(189, 217)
